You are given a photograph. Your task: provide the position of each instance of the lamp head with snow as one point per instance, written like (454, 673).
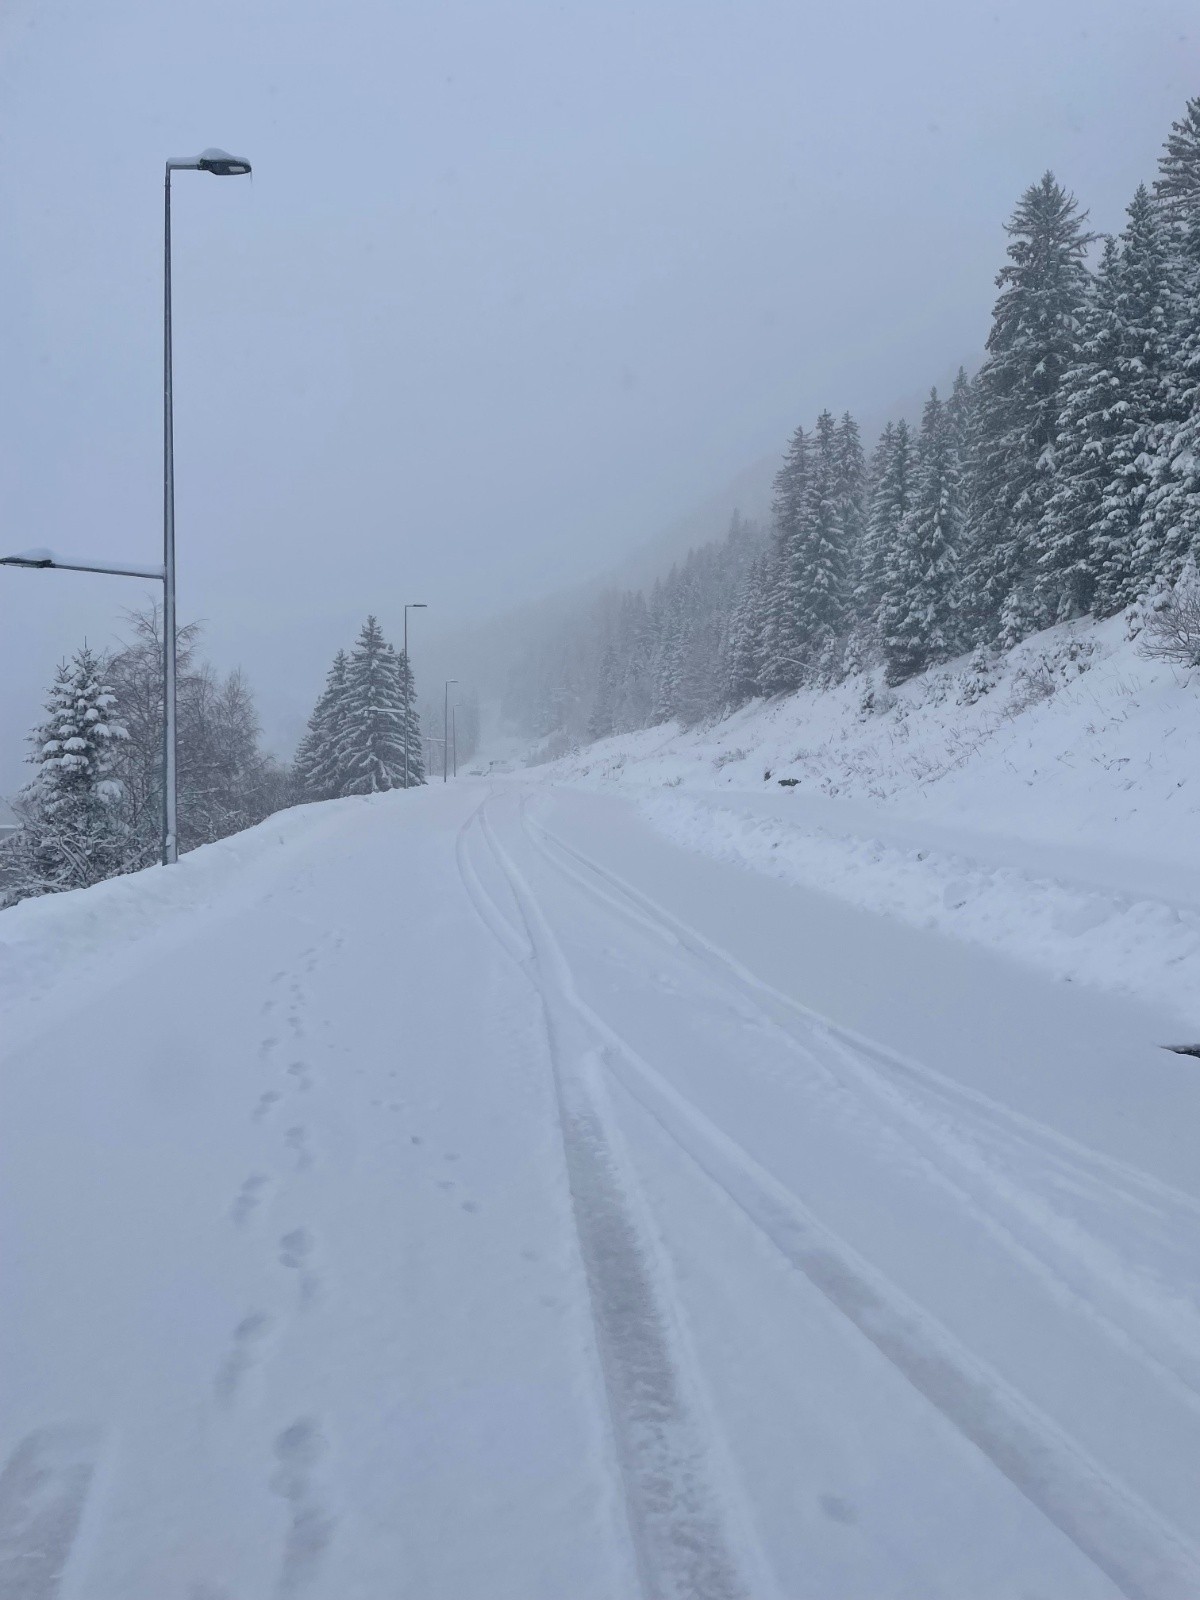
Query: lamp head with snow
(219, 162)
(28, 558)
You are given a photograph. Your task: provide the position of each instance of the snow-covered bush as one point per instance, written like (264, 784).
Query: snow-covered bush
(1171, 631)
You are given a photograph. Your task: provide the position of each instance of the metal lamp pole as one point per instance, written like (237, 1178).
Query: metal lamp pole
(415, 605)
(222, 165)
(454, 736)
(446, 731)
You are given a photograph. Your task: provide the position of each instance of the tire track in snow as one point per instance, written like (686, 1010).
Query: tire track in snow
(958, 1141)
(1143, 1554)
(677, 1523)
(43, 1489)
(1086, 1164)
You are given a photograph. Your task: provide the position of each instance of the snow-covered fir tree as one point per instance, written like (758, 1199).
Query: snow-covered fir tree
(1089, 420)
(890, 497)
(1177, 187)
(669, 631)
(744, 652)
(918, 612)
(634, 656)
(1169, 537)
(961, 419)
(603, 720)
(785, 642)
(1032, 343)
(825, 611)
(370, 741)
(74, 831)
(1126, 556)
(851, 489)
(316, 768)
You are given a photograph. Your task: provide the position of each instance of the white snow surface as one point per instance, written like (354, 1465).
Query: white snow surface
(1056, 817)
(471, 1194)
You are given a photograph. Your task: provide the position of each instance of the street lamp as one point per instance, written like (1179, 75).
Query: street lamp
(222, 165)
(42, 559)
(415, 605)
(446, 731)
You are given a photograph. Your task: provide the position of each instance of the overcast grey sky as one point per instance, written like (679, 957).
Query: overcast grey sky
(513, 285)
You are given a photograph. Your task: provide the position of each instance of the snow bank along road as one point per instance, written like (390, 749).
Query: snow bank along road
(468, 1195)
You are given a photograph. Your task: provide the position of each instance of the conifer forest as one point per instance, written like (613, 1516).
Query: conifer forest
(1059, 479)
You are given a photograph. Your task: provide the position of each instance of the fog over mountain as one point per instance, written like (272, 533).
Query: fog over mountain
(511, 289)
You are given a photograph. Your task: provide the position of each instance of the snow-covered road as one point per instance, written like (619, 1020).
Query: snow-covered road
(470, 1195)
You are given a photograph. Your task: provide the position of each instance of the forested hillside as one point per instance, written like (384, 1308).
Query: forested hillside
(1062, 480)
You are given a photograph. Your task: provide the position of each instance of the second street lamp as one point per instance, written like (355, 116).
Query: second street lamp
(413, 605)
(446, 731)
(222, 165)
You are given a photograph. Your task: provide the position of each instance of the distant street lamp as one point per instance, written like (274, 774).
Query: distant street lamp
(222, 165)
(454, 736)
(415, 605)
(446, 731)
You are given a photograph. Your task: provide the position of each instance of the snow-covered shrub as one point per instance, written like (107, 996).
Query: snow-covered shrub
(877, 700)
(1031, 685)
(724, 757)
(981, 676)
(1171, 630)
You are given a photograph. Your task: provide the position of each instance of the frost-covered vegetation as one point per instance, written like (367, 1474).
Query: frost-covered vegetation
(93, 808)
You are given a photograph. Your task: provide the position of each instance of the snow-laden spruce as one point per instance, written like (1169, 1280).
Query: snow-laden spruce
(355, 740)
(73, 831)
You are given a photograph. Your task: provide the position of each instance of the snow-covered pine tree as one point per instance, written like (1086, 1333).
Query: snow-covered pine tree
(602, 722)
(1126, 547)
(1033, 341)
(633, 704)
(783, 652)
(1170, 533)
(1177, 187)
(851, 481)
(316, 772)
(918, 613)
(670, 640)
(370, 746)
(408, 697)
(961, 420)
(744, 649)
(1089, 421)
(824, 619)
(75, 833)
(890, 497)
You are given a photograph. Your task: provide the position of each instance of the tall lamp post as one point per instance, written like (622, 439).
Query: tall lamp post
(415, 605)
(446, 731)
(222, 165)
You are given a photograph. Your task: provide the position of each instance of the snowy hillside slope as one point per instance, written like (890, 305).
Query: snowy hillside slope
(1051, 808)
